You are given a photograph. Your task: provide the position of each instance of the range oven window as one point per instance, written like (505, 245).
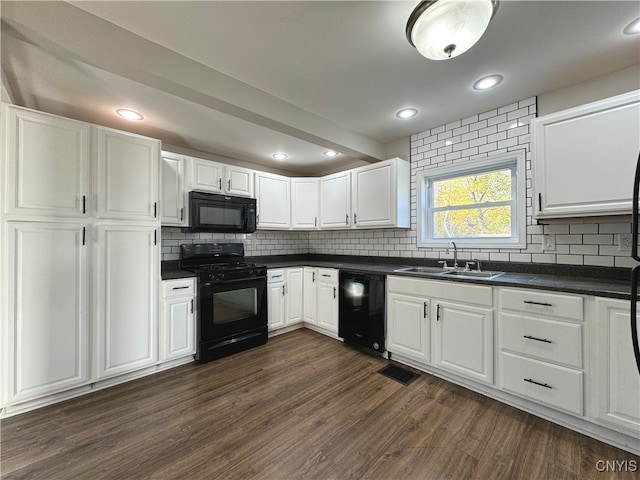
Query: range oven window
(235, 305)
(221, 215)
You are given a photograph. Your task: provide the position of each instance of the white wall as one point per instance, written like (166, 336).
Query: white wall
(615, 83)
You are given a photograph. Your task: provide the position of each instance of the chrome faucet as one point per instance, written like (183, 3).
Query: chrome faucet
(455, 253)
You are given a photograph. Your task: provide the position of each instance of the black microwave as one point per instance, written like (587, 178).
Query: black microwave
(209, 212)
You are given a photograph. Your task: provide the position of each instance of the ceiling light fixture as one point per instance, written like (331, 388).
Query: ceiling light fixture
(280, 156)
(633, 28)
(330, 153)
(488, 82)
(129, 114)
(442, 29)
(407, 113)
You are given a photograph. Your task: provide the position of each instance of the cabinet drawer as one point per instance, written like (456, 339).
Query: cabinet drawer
(558, 342)
(467, 293)
(328, 275)
(542, 303)
(275, 275)
(554, 385)
(178, 288)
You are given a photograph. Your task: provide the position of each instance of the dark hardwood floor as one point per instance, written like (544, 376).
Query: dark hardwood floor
(302, 406)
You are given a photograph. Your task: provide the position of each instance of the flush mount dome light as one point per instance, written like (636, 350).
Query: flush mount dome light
(633, 28)
(442, 29)
(486, 83)
(330, 153)
(280, 156)
(129, 114)
(407, 113)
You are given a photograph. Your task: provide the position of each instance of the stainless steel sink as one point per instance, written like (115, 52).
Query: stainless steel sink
(419, 269)
(487, 275)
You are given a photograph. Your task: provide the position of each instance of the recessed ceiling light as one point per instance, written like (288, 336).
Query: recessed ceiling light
(280, 156)
(129, 114)
(407, 113)
(486, 83)
(331, 153)
(633, 28)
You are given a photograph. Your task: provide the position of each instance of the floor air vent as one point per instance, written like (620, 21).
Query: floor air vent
(398, 374)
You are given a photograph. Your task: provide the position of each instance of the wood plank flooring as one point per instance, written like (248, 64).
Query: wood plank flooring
(302, 406)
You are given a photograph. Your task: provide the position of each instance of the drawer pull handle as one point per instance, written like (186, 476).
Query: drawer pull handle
(276, 276)
(325, 275)
(537, 339)
(180, 288)
(537, 383)
(538, 303)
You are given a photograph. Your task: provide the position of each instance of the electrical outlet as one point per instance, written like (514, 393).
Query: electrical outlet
(549, 242)
(624, 242)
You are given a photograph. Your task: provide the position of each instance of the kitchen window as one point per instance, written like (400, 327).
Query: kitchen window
(479, 204)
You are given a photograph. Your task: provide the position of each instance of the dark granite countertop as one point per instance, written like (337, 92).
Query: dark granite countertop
(597, 281)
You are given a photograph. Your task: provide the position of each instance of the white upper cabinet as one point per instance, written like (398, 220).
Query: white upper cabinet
(274, 200)
(239, 181)
(127, 176)
(305, 202)
(174, 200)
(335, 201)
(380, 195)
(584, 158)
(206, 176)
(47, 161)
(214, 177)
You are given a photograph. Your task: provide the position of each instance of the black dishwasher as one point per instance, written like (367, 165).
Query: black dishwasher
(361, 321)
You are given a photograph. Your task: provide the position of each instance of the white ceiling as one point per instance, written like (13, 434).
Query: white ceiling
(247, 79)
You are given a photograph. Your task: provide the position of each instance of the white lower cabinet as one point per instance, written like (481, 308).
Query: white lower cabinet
(328, 300)
(47, 337)
(408, 326)
(310, 296)
(284, 297)
(293, 296)
(541, 347)
(177, 319)
(126, 320)
(616, 382)
(463, 337)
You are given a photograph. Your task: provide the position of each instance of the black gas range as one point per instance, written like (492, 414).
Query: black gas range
(232, 299)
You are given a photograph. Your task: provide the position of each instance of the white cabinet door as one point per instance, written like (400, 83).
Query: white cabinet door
(595, 146)
(464, 340)
(126, 176)
(380, 195)
(177, 320)
(408, 326)
(335, 201)
(276, 305)
(173, 211)
(273, 199)
(305, 200)
(310, 292)
(239, 181)
(126, 319)
(206, 176)
(617, 383)
(47, 164)
(328, 306)
(294, 286)
(46, 340)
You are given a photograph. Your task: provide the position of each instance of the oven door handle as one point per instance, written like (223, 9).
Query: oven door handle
(227, 282)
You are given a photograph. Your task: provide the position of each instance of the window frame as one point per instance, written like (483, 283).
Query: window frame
(513, 160)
